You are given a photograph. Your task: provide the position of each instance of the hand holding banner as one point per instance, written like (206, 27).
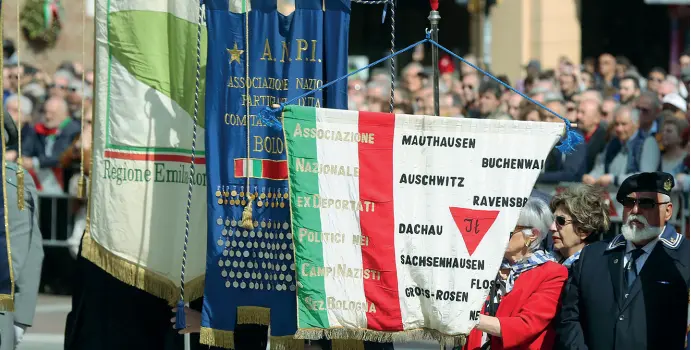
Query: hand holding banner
(400, 221)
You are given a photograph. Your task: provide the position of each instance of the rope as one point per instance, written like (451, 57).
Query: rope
(81, 182)
(371, 2)
(246, 219)
(20, 165)
(393, 39)
(180, 313)
(573, 137)
(393, 50)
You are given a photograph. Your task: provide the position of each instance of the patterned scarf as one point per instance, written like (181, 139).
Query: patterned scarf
(50, 133)
(572, 259)
(538, 258)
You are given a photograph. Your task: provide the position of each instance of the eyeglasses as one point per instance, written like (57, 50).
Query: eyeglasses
(643, 203)
(61, 87)
(562, 221)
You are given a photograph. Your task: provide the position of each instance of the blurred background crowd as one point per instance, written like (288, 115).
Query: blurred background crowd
(632, 121)
(47, 107)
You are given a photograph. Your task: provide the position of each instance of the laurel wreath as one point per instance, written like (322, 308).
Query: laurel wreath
(40, 23)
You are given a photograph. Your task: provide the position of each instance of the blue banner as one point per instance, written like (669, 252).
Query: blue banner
(6, 278)
(260, 53)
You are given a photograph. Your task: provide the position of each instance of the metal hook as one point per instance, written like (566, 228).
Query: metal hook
(428, 33)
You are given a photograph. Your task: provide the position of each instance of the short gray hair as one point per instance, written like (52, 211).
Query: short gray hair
(633, 113)
(24, 103)
(62, 73)
(535, 214)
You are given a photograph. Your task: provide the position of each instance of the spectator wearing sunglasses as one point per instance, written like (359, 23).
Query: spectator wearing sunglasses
(525, 297)
(633, 291)
(580, 216)
(60, 84)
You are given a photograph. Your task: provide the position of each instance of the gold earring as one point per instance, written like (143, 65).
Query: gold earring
(527, 244)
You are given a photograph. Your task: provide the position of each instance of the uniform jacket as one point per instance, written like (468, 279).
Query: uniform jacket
(526, 313)
(27, 255)
(599, 312)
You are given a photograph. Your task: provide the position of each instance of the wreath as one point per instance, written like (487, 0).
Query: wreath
(41, 21)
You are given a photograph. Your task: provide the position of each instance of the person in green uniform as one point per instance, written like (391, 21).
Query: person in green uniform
(26, 246)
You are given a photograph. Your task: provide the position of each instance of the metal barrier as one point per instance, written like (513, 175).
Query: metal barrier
(59, 234)
(56, 235)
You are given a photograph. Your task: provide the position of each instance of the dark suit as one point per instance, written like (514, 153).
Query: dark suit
(50, 157)
(595, 145)
(596, 314)
(564, 168)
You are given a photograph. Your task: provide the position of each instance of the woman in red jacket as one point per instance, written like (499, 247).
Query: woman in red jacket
(525, 297)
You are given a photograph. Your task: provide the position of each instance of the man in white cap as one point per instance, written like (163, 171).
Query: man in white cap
(675, 103)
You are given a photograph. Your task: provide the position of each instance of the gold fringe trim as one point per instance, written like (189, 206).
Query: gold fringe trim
(347, 344)
(287, 342)
(137, 276)
(6, 302)
(20, 186)
(254, 315)
(381, 337)
(217, 337)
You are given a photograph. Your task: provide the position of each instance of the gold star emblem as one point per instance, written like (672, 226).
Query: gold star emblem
(235, 53)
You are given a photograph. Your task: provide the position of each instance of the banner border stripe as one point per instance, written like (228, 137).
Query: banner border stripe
(377, 186)
(300, 184)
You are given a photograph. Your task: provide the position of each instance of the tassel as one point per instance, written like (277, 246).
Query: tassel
(180, 316)
(247, 215)
(20, 188)
(80, 187)
(573, 138)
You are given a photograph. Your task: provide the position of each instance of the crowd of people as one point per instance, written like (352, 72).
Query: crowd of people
(553, 289)
(630, 123)
(49, 110)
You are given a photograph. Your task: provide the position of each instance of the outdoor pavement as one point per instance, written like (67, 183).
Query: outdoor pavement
(48, 332)
(49, 327)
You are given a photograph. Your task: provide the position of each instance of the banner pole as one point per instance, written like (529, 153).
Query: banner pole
(434, 24)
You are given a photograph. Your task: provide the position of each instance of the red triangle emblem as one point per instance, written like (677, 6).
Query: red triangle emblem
(473, 225)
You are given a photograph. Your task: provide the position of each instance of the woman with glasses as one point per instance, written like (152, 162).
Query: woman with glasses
(580, 215)
(525, 296)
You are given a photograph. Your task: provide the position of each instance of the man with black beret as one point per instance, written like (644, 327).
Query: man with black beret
(633, 291)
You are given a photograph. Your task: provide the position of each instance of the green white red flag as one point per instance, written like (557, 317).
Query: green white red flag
(400, 222)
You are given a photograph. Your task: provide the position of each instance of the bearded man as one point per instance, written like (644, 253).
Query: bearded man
(633, 291)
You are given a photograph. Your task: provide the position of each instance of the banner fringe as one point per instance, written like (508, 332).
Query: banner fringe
(217, 337)
(6, 302)
(254, 315)
(286, 342)
(347, 344)
(379, 336)
(137, 276)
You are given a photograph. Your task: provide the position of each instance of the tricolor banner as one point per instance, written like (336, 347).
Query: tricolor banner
(400, 222)
(146, 67)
